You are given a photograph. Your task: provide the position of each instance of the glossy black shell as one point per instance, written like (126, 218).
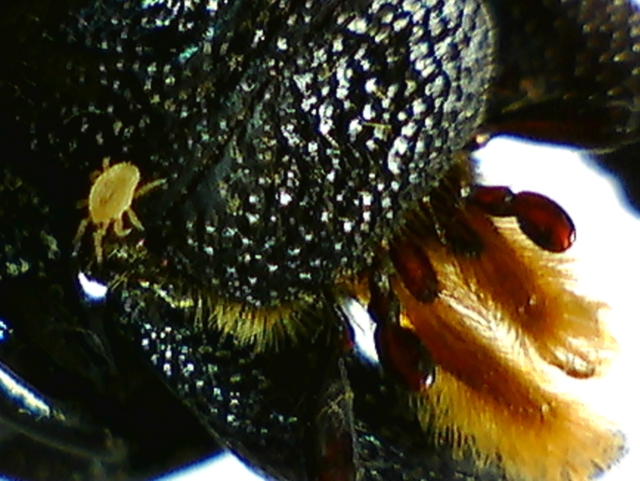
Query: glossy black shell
(247, 115)
(292, 140)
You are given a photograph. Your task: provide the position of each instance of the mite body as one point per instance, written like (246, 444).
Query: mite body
(317, 152)
(110, 199)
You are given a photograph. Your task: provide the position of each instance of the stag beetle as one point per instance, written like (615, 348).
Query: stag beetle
(295, 156)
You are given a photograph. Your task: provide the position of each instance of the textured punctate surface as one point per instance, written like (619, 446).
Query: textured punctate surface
(227, 384)
(256, 101)
(293, 136)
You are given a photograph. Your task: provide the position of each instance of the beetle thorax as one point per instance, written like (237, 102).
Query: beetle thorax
(311, 155)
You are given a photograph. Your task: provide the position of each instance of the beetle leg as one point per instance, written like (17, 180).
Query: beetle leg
(26, 410)
(400, 351)
(334, 438)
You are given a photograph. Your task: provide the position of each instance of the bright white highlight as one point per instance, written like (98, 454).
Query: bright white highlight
(92, 289)
(9, 387)
(226, 466)
(363, 329)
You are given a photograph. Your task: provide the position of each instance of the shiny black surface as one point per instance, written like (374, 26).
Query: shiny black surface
(188, 92)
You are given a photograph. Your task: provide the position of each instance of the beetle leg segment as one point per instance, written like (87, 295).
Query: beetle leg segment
(498, 316)
(401, 352)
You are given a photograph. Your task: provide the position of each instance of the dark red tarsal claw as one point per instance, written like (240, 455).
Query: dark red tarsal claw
(541, 219)
(494, 200)
(415, 270)
(544, 221)
(403, 355)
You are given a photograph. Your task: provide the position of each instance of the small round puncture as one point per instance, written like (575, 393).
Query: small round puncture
(110, 198)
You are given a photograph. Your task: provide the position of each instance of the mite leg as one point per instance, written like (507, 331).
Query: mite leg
(98, 236)
(134, 220)
(118, 227)
(149, 187)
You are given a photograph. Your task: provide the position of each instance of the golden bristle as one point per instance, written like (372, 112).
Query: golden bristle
(501, 323)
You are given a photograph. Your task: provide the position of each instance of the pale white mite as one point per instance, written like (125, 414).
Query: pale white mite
(110, 198)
